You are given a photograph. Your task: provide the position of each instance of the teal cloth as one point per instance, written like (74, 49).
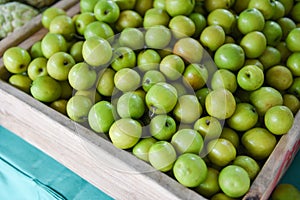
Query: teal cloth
(28, 173)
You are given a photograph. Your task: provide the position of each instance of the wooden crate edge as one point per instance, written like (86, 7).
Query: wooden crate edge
(277, 164)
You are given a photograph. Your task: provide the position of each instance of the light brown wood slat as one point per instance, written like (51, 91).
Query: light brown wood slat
(277, 164)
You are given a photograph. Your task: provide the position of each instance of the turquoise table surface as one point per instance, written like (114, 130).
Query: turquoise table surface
(28, 173)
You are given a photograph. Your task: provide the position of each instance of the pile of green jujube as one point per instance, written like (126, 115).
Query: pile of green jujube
(200, 90)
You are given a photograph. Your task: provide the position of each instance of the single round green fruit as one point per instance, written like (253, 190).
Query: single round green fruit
(96, 46)
(190, 170)
(162, 156)
(78, 108)
(279, 120)
(127, 79)
(220, 103)
(187, 141)
(230, 56)
(258, 142)
(101, 116)
(221, 152)
(161, 98)
(16, 59)
(45, 89)
(82, 76)
(125, 133)
(162, 127)
(249, 164)
(37, 67)
(250, 77)
(59, 65)
(244, 117)
(188, 109)
(130, 105)
(208, 127)
(234, 181)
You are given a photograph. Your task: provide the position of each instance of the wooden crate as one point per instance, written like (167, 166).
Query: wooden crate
(116, 172)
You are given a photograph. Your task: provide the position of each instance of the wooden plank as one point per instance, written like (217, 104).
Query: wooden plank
(19, 35)
(277, 163)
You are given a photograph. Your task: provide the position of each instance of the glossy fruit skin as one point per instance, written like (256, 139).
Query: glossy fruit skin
(21, 81)
(220, 103)
(273, 32)
(59, 65)
(158, 37)
(125, 133)
(190, 170)
(186, 48)
(292, 40)
(244, 117)
(254, 44)
(128, 19)
(152, 77)
(123, 57)
(83, 20)
(172, 66)
(161, 98)
(264, 98)
(212, 37)
(50, 14)
(293, 63)
(182, 26)
(132, 38)
(82, 77)
(162, 127)
(78, 108)
(250, 77)
(221, 151)
(224, 78)
(141, 149)
(98, 46)
(162, 156)
(258, 142)
(266, 7)
(130, 105)
(208, 127)
(279, 115)
(53, 43)
(250, 20)
(223, 18)
(64, 25)
(99, 29)
(210, 185)
(45, 89)
(148, 59)
(249, 164)
(234, 181)
(195, 75)
(107, 11)
(279, 77)
(156, 16)
(230, 56)
(16, 59)
(187, 141)
(181, 7)
(127, 80)
(101, 116)
(105, 85)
